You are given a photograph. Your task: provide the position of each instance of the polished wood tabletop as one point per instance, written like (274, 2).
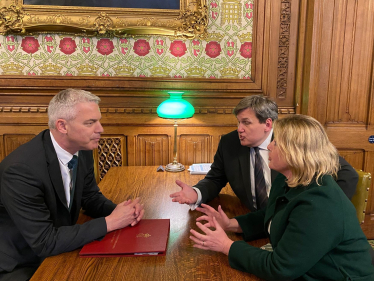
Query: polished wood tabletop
(182, 261)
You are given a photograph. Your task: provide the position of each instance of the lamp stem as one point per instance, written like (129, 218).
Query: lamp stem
(175, 142)
(175, 166)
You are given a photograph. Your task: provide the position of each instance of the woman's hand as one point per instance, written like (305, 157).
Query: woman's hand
(210, 213)
(214, 240)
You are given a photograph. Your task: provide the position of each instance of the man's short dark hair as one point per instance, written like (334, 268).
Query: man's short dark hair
(263, 107)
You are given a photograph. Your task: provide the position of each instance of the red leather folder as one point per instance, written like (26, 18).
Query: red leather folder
(147, 238)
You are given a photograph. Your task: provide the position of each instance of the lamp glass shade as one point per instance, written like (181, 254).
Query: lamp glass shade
(175, 107)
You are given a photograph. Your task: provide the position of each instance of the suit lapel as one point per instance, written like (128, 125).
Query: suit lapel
(53, 167)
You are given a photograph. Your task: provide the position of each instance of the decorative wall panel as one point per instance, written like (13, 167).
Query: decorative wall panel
(196, 149)
(11, 142)
(339, 86)
(152, 150)
(111, 152)
(342, 64)
(355, 157)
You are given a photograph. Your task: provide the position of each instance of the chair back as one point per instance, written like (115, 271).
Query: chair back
(360, 198)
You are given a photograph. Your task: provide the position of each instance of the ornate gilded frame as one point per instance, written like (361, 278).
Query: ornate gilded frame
(190, 21)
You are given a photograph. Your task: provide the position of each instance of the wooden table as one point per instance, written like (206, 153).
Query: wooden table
(182, 261)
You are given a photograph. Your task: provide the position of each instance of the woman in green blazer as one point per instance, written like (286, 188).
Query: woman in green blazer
(311, 224)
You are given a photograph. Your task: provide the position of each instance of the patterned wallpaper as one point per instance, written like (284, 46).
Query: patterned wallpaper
(225, 53)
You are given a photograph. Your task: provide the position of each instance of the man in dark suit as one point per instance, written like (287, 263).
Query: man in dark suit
(44, 184)
(235, 160)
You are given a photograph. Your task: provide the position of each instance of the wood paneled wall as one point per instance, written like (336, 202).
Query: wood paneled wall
(313, 57)
(336, 76)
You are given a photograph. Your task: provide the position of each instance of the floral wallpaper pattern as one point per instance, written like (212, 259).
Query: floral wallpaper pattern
(225, 53)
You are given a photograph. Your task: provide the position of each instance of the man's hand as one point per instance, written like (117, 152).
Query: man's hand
(186, 196)
(126, 213)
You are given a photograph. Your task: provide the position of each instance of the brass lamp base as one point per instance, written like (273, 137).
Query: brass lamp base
(174, 167)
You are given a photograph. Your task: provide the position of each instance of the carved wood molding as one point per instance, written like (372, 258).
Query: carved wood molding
(283, 51)
(17, 109)
(153, 110)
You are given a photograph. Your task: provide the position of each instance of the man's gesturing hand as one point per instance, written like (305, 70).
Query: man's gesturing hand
(186, 196)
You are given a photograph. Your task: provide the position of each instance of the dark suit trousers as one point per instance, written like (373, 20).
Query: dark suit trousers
(18, 274)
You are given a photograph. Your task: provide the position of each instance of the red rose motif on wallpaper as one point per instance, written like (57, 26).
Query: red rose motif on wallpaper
(141, 47)
(248, 10)
(246, 50)
(178, 48)
(105, 46)
(196, 49)
(159, 46)
(230, 48)
(214, 9)
(124, 49)
(30, 45)
(213, 49)
(86, 45)
(48, 40)
(10, 46)
(67, 46)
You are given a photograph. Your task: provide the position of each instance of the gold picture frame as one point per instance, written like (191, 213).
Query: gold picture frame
(190, 21)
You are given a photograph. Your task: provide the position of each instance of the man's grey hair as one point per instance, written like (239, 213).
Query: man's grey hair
(62, 105)
(263, 107)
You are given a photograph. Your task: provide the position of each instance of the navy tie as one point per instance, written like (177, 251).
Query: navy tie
(260, 186)
(72, 165)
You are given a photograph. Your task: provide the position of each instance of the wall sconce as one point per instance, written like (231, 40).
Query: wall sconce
(175, 108)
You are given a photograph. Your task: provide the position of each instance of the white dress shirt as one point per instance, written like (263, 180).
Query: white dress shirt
(265, 164)
(64, 157)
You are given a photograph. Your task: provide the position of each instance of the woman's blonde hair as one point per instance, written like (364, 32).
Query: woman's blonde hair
(304, 143)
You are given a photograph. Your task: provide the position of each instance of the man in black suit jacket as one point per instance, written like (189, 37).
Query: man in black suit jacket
(233, 161)
(39, 202)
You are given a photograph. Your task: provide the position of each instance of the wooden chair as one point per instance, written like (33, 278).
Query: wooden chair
(360, 198)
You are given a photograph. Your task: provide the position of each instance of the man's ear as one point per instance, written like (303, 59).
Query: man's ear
(268, 124)
(61, 126)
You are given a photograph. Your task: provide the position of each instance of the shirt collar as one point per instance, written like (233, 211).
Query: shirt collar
(62, 154)
(266, 142)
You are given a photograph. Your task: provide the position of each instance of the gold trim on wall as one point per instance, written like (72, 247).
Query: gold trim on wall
(190, 21)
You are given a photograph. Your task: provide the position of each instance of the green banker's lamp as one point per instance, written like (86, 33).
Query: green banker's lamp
(175, 108)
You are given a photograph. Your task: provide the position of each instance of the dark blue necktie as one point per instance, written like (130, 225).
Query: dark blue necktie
(260, 186)
(72, 165)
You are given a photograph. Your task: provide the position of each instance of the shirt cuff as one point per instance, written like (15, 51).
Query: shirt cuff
(198, 201)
